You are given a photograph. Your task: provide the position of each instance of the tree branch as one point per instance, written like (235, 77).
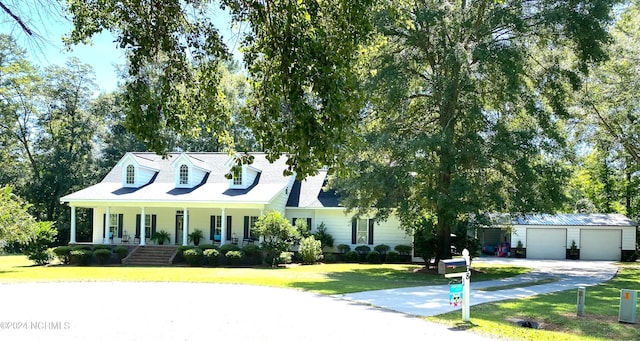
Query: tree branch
(24, 26)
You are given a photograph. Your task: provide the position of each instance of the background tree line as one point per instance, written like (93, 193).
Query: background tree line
(439, 111)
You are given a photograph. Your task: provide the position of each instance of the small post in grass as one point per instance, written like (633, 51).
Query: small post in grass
(582, 292)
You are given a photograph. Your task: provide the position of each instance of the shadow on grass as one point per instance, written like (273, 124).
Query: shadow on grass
(378, 278)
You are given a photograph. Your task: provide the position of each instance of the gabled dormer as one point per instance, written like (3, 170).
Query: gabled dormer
(136, 170)
(189, 171)
(247, 173)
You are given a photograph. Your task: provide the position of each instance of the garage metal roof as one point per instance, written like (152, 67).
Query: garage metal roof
(593, 219)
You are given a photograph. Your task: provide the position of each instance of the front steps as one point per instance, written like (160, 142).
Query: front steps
(151, 255)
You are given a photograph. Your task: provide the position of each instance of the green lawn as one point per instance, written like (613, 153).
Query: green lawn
(557, 313)
(324, 278)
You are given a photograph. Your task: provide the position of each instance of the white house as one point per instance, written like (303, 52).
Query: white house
(183, 192)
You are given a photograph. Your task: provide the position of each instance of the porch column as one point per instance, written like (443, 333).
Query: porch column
(107, 225)
(185, 223)
(223, 228)
(72, 239)
(261, 238)
(143, 230)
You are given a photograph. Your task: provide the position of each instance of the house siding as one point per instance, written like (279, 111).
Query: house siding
(278, 203)
(338, 224)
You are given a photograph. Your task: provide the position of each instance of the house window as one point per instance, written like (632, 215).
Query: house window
(113, 225)
(362, 231)
(184, 174)
(252, 228)
(147, 226)
(249, 228)
(216, 228)
(131, 174)
(237, 179)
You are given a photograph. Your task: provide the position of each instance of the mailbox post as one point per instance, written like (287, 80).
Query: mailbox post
(459, 268)
(466, 287)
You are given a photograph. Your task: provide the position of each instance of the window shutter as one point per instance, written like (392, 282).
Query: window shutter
(138, 218)
(228, 227)
(309, 223)
(371, 223)
(104, 225)
(246, 227)
(120, 224)
(153, 225)
(211, 227)
(354, 230)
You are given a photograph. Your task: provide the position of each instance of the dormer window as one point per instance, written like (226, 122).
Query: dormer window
(237, 179)
(184, 174)
(131, 175)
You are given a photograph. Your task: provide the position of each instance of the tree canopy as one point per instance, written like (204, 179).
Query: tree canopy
(467, 107)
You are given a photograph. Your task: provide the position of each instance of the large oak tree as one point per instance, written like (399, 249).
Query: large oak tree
(467, 109)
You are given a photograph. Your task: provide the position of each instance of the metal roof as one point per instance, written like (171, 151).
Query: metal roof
(575, 219)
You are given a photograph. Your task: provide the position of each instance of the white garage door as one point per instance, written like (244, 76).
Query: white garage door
(600, 244)
(547, 243)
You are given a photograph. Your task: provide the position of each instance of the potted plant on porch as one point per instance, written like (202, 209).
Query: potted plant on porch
(519, 250)
(160, 237)
(195, 237)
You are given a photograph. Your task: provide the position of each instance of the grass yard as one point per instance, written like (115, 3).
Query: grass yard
(557, 314)
(323, 278)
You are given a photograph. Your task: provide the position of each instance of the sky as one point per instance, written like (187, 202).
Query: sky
(103, 54)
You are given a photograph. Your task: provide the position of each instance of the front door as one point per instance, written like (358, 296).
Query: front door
(179, 226)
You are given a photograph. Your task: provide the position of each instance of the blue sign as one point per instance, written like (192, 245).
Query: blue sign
(455, 294)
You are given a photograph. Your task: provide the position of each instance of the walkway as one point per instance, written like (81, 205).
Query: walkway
(434, 300)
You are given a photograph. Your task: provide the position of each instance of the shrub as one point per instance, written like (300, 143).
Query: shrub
(212, 256)
(233, 257)
(183, 248)
(207, 247)
(63, 253)
(278, 234)
(351, 257)
(81, 247)
(374, 257)
(81, 256)
(193, 256)
(101, 247)
(304, 230)
(122, 252)
(103, 256)
(252, 254)
(330, 258)
(392, 257)
(228, 247)
(310, 250)
(323, 236)
(285, 257)
(382, 249)
(343, 248)
(38, 250)
(363, 249)
(403, 250)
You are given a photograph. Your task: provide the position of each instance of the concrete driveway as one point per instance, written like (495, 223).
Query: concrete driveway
(434, 300)
(192, 311)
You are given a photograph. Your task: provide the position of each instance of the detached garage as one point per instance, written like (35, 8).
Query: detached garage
(596, 236)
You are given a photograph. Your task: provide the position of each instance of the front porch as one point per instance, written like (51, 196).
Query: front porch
(115, 225)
